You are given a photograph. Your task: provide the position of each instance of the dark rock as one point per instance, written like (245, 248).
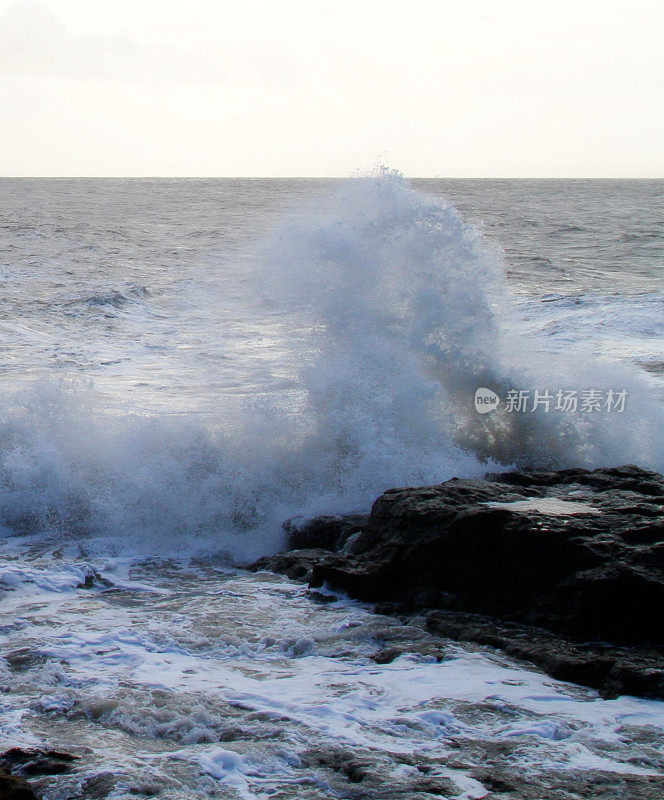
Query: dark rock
(574, 785)
(326, 533)
(611, 670)
(592, 576)
(19, 761)
(13, 788)
(496, 784)
(94, 580)
(387, 609)
(387, 655)
(362, 777)
(24, 658)
(321, 598)
(297, 565)
(99, 786)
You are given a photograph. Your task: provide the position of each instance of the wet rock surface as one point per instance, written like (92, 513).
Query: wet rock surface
(20, 761)
(564, 569)
(611, 670)
(17, 764)
(14, 788)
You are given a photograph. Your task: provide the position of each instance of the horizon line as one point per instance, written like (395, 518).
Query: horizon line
(339, 177)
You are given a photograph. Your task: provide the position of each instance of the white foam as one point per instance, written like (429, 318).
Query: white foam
(392, 312)
(550, 506)
(175, 666)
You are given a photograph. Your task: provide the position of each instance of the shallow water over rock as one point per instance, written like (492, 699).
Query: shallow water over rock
(190, 681)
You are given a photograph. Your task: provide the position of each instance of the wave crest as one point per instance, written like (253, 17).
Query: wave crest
(403, 312)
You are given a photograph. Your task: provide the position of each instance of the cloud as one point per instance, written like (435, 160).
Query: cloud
(34, 41)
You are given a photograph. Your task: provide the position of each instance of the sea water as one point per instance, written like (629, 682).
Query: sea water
(187, 363)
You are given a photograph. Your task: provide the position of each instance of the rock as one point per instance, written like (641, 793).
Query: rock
(611, 670)
(19, 762)
(13, 788)
(33, 761)
(322, 598)
(356, 777)
(24, 658)
(578, 553)
(94, 580)
(387, 656)
(572, 784)
(303, 646)
(297, 565)
(326, 533)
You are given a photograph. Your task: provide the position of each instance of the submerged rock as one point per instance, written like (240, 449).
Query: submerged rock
(578, 553)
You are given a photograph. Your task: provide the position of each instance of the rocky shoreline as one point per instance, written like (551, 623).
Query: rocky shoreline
(560, 569)
(563, 569)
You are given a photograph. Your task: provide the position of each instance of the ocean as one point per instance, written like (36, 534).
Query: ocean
(187, 363)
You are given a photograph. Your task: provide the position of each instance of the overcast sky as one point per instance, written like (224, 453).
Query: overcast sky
(468, 88)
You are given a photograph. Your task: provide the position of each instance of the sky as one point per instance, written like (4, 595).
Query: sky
(453, 88)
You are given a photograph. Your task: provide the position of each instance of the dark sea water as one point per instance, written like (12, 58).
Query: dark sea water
(186, 363)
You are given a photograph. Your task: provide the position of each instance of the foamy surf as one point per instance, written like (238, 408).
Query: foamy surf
(191, 681)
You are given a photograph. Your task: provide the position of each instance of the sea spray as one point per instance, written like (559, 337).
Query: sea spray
(403, 312)
(411, 314)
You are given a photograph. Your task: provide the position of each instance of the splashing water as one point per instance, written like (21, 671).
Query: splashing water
(394, 311)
